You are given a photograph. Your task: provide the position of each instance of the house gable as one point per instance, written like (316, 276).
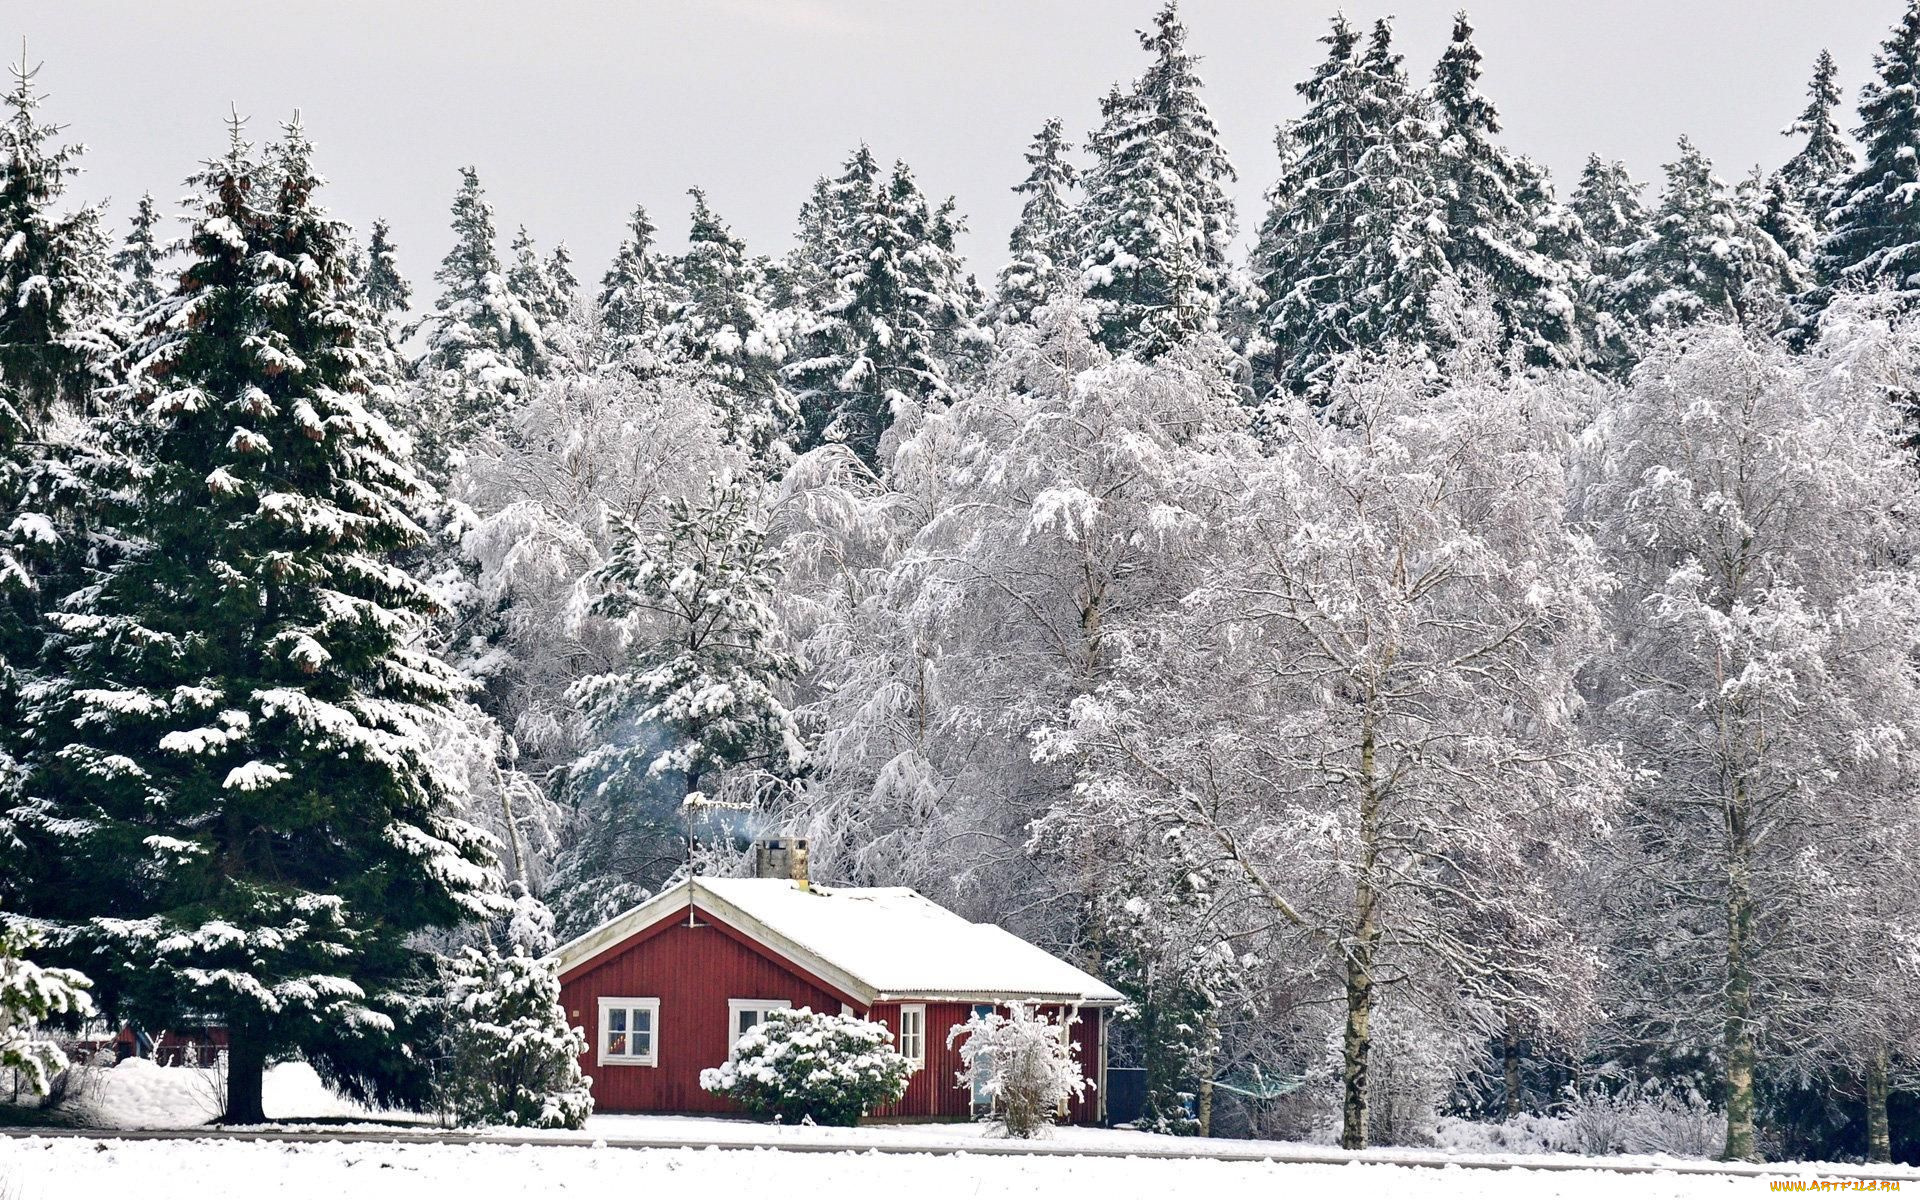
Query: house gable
(693, 971)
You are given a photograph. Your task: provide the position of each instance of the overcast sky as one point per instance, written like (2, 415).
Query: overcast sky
(574, 109)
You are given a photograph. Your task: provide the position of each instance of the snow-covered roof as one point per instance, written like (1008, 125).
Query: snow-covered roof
(874, 944)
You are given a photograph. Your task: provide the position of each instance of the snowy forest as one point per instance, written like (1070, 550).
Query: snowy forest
(1457, 660)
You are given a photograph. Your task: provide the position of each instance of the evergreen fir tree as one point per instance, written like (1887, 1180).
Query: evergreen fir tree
(1492, 237)
(55, 287)
(564, 284)
(1043, 241)
(528, 278)
(58, 296)
(901, 309)
(1824, 158)
(1355, 249)
(829, 222)
(1614, 219)
(383, 288)
(1705, 257)
(718, 327)
(1874, 215)
(1157, 223)
(633, 298)
(241, 822)
(484, 344)
(140, 257)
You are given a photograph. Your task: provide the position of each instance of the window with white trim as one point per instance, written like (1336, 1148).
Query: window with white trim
(743, 1015)
(913, 1034)
(629, 1031)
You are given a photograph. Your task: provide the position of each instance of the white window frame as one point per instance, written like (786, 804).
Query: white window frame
(736, 1007)
(608, 1004)
(918, 1056)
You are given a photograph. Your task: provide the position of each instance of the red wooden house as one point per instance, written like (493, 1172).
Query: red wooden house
(664, 989)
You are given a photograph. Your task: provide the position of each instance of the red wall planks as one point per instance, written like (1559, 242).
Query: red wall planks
(696, 970)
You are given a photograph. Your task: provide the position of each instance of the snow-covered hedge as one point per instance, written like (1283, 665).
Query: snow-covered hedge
(1030, 1065)
(802, 1065)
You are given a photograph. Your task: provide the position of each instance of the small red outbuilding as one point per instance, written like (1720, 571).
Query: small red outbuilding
(664, 988)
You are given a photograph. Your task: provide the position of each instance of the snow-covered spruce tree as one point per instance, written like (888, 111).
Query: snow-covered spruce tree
(1492, 242)
(901, 308)
(1156, 223)
(1873, 220)
(29, 995)
(1044, 257)
(1029, 1064)
(484, 342)
(633, 299)
(829, 222)
(55, 283)
(383, 289)
(1704, 258)
(1753, 506)
(717, 328)
(142, 256)
(57, 296)
(1396, 587)
(240, 823)
(512, 1058)
(1824, 159)
(530, 281)
(802, 1066)
(1355, 251)
(697, 712)
(1608, 206)
(1773, 206)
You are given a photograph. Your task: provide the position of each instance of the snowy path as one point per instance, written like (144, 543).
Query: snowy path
(173, 1168)
(669, 1134)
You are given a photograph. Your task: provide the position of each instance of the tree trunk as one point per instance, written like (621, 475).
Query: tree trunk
(1740, 1053)
(246, 1076)
(1879, 1145)
(1211, 1035)
(1510, 1059)
(1358, 1042)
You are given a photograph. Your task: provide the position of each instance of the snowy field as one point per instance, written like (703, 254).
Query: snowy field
(60, 1169)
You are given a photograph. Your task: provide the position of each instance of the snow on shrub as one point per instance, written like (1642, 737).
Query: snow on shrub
(29, 994)
(1030, 1066)
(514, 1060)
(802, 1065)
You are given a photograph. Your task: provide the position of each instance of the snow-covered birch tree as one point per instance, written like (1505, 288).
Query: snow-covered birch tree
(1757, 512)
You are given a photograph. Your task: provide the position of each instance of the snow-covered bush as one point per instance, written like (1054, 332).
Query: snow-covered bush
(1649, 1118)
(513, 1059)
(29, 994)
(1030, 1065)
(802, 1065)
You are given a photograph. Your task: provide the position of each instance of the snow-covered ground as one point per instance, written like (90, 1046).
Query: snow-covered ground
(139, 1094)
(59, 1169)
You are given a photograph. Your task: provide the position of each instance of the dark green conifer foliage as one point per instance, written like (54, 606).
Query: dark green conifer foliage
(241, 822)
(1824, 158)
(1353, 249)
(1156, 224)
(1045, 256)
(141, 257)
(633, 299)
(1874, 214)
